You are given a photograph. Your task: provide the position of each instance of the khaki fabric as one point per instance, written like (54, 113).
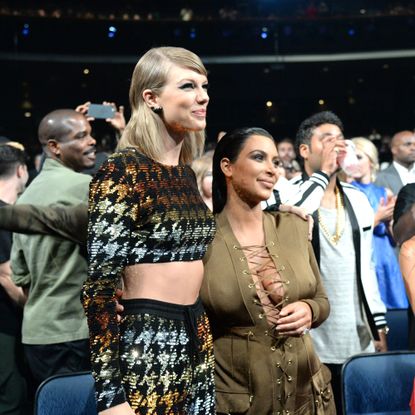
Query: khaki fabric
(258, 374)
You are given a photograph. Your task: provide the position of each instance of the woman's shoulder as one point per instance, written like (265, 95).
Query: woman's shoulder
(408, 248)
(286, 221)
(124, 162)
(128, 155)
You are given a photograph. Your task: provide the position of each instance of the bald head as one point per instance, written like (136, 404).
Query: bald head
(399, 137)
(57, 125)
(65, 136)
(403, 148)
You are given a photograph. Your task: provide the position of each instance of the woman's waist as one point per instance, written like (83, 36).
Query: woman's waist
(162, 308)
(174, 282)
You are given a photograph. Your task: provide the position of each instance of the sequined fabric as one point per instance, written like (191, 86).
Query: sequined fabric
(140, 211)
(162, 374)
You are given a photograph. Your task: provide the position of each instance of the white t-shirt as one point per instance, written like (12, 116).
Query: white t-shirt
(344, 333)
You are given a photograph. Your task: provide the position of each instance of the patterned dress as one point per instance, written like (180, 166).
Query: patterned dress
(160, 357)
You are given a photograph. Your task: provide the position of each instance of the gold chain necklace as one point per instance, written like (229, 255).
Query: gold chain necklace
(340, 220)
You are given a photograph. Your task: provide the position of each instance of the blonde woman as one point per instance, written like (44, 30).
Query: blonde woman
(389, 277)
(203, 170)
(149, 227)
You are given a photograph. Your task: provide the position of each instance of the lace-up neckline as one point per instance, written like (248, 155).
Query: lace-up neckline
(266, 278)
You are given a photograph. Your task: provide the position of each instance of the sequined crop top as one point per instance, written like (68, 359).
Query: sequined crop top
(140, 211)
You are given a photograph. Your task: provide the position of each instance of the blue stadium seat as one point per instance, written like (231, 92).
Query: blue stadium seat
(398, 324)
(66, 394)
(378, 383)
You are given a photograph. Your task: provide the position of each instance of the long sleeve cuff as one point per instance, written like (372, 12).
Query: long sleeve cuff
(380, 320)
(110, 396)
(320, 178)
(315, 309)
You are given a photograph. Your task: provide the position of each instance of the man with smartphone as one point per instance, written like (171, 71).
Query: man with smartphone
(114, 117)
(50, 269)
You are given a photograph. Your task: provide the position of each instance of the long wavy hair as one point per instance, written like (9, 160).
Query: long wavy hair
(230, 146)
(144, 127)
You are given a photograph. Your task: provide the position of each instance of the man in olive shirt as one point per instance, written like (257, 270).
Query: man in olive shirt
(49, 268)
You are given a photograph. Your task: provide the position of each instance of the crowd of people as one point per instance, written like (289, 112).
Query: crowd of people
(194, 282)
(187, 10)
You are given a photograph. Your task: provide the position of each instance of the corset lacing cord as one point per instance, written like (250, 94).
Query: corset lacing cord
(258, 270)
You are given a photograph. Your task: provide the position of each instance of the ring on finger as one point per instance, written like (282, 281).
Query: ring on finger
(305, 331)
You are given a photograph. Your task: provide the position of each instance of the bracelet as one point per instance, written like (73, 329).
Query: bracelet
(384, 330)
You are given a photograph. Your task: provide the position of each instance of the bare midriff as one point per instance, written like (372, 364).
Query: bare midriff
(171, 282)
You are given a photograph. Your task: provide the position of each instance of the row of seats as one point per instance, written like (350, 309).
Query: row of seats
(376, 383)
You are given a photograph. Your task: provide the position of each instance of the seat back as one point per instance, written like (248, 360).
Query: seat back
(378, 383)
(66, 394)
(398, 324)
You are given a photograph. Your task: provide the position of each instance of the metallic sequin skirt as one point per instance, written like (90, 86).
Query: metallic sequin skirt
(166, 358)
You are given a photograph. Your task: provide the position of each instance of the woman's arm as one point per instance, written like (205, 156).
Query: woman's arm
(306, 312)
(69, 222)
(319, 304)
(111, 209)
(407, 263)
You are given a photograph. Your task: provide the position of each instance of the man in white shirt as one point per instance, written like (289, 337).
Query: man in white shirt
(402, 169)
(342, 242)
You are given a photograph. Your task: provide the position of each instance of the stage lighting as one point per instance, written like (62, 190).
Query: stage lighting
(264, 32)
(26, 30)
(112, 30)
(192, 33)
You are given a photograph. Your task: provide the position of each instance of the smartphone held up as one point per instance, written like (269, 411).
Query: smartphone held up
(100, 111)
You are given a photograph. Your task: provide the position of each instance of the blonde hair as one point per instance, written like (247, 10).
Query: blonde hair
(144, 127)
(367, 147)
(201, 166)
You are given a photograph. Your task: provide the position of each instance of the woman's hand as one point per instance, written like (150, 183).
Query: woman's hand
(118, 307)
(385, 210)
(302, 213)
(122, 409)
(294, 318)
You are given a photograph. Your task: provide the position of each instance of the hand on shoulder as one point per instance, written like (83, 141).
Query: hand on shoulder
(301, 213)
